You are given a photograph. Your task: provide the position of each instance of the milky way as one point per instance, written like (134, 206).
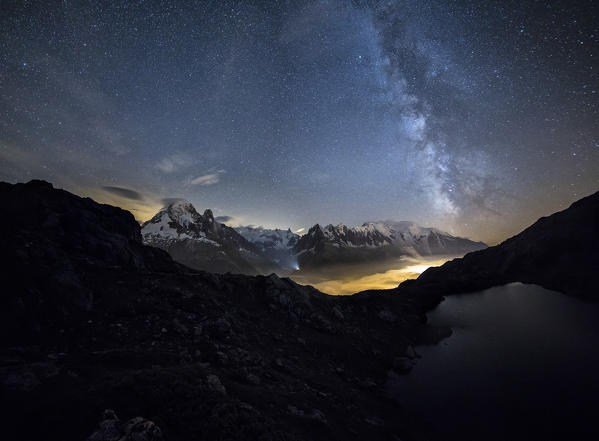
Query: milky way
(475, 117)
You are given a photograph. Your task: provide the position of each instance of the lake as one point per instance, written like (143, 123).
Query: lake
(522, 363)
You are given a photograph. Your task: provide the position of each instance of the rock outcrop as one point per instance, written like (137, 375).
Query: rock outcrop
(559, 252)
(136, 429)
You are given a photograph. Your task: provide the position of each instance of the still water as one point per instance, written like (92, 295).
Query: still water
(522, 364)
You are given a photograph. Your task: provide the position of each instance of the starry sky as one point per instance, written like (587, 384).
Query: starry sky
(476, 117)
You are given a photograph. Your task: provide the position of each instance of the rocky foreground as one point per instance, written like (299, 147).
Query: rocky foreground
(91, 319)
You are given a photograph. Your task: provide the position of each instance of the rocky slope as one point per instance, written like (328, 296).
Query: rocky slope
(92, 319)
(376, 241)
(200, 242)
(559, 252)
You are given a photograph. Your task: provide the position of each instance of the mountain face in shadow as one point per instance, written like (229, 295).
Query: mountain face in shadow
(92, 319)
(559, 252)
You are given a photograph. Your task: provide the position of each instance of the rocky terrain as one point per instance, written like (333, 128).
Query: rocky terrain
(95, 324)
(559, 252)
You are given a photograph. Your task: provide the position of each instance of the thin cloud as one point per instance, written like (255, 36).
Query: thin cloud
(223, 219)
(173, 163)
(208, 179)
(123, 192)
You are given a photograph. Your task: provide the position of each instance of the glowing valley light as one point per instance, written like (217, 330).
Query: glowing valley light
(416, 269)
(378, 280)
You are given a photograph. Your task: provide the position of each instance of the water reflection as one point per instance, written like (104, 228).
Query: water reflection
(521, 364)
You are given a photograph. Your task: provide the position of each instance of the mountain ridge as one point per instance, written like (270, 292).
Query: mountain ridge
(333, 244)
(559, 252)
(199, 241)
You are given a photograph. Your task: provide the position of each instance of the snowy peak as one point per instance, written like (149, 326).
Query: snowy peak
(402, 230)
(199, 241)
(342, 236)
(267, 238)
(404, 237)
(181, 211)
(180, 220)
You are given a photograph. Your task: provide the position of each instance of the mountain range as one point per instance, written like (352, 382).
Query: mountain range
(200, 242)
(372, 241)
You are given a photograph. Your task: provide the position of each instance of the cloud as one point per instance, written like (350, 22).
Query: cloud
(173, 163)
(300, 230)
(231, 221)
(124, 192)
(208, 179)
(90, 114)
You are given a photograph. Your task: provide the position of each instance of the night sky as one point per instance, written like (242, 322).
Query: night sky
(477, 117)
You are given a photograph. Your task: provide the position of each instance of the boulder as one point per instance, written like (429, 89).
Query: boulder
(136, 429)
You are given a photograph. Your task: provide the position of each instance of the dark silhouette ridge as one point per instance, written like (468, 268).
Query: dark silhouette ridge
(559, 252)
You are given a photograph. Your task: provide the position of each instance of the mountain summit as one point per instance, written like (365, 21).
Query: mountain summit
(200, 242)
(180, 220)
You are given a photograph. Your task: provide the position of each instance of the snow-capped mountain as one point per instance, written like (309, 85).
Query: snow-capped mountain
(276, 244)
(268, 238)
(376, 240)
(200, 242)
